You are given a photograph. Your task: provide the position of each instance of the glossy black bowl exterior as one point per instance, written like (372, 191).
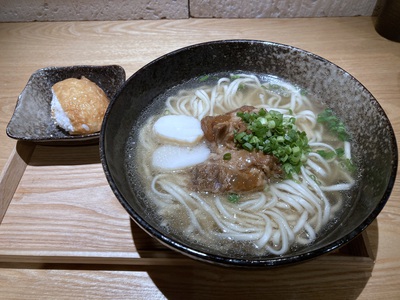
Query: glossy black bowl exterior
(374, 139)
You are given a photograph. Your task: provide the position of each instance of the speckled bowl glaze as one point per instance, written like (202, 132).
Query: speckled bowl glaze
(374, 139)
(32, 120)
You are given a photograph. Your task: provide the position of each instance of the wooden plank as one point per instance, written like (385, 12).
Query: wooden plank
(12, 173)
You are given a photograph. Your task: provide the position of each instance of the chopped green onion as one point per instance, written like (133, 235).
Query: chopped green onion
(313, 177)
(204, 78)
(271, 124)
(339, 152)
(248, 146)
(227, 156)
(207, 78)
(334, 124)
(233, 198)
(303, 92)
(262, 112)
(348, 165)
(275, 134)
(254, 140)
(234, 77)
(326, 154)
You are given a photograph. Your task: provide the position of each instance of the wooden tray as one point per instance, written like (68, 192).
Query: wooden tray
(57, 210)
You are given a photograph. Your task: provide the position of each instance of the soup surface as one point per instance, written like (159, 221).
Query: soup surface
(245, 165)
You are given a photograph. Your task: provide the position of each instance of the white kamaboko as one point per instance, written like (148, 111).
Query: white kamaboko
(181, 129)
(172, 157)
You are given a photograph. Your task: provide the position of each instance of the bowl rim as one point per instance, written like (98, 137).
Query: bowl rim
(272, 261)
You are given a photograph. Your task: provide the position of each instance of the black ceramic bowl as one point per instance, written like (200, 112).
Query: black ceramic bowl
(374, 140)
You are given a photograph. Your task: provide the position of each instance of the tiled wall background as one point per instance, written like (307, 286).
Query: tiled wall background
(69, 10)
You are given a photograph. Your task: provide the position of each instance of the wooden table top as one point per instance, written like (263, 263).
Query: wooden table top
(63, 249)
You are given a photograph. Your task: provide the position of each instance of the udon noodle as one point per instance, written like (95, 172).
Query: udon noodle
(287, 214)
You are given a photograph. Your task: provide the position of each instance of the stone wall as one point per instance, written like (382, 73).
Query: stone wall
(71, 10)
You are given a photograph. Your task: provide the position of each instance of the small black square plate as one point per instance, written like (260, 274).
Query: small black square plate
(32, 120)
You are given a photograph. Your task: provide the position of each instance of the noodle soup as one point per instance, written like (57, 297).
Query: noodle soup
(287, 213)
